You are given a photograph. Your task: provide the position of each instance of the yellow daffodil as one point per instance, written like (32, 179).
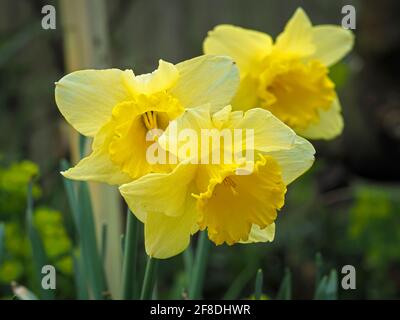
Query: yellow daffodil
(233, 207)
(289, 77)
(118, 109)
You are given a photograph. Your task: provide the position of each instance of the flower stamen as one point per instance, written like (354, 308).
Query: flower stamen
(228, 182)
(150, 120)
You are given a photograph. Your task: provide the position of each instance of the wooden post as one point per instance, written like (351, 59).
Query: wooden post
(86, 45)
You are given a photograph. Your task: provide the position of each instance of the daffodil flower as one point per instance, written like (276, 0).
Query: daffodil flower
(233, 208)
(289, 77)
(118, 109)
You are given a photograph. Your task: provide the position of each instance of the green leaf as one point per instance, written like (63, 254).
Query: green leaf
(199, 268)
(82, 145)
(80, 277)
(285, 290)
(332, 286)
(258, 285)
(38, 252)
(188, 263)
(239, 283)
(327, 287)
(82, 212)
(2, 240)
(320, 293)
(129, 267)
(318, 268)
(89, 240)
(72, 198)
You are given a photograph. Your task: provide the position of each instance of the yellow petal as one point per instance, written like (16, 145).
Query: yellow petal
(269, 132)
(332, 43)
(247, 47)
(329, 126)
(297, 37)
(165, 193)
(261, 235)
(167, 236)
(86, 98)
(206, 79)
(222, 116)
(246, 97)
(98, 166)
(195, 119)
(295, 160)
(161, 79)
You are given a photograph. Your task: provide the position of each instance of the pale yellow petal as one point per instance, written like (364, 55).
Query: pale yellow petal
(167, 236)
(161, 192)
(222, 116)
(161, 79)
(247, 47)
(261, 235)
(332, 43)
(86, 98)
(295, 160)
(98, 166)
(206, 79)
(269, 132)
(330, 124)
(297, 37)
(195, 119)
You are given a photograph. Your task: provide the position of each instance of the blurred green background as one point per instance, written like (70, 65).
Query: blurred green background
(347, 207)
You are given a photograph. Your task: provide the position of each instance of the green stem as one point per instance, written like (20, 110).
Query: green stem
(149, 279)
(199, 268)
(188, 263)
(129, 268)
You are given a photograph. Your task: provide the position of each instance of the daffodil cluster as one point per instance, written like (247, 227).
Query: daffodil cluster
(244, 82)
(288, 77)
